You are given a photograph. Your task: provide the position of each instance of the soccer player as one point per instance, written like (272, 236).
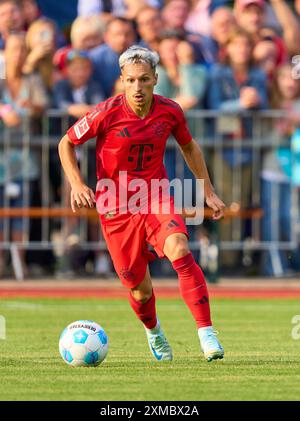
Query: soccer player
(132, 130)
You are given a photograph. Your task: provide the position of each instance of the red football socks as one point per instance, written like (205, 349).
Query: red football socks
(146, 312)
(193, 289)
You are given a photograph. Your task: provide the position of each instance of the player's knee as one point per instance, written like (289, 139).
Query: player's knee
(181, 250)
(141, 296)
(177, 247)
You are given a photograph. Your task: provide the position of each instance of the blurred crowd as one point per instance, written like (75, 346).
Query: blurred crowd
(231, 56)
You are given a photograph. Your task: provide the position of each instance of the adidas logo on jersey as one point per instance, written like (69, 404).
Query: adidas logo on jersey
(172, 224)
(124, 133)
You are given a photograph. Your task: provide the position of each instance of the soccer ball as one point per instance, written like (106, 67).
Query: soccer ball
(83, 343)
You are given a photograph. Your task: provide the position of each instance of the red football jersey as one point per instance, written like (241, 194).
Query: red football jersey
(126, 142)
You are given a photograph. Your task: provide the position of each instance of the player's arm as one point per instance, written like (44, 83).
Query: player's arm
(81, 194)
(194, 158)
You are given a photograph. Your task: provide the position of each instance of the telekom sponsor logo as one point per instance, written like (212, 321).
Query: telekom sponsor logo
(137, 196)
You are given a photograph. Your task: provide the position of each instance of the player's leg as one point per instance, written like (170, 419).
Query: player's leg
(125, 241)
(194, 291)
(142, 301)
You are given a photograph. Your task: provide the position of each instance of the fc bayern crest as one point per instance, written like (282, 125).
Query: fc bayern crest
(159, 127)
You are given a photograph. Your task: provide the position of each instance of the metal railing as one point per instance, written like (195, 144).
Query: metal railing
(32, 184)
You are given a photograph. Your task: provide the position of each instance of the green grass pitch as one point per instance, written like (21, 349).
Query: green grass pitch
(261, 357)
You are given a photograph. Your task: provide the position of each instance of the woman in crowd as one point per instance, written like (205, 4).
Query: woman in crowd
(21, 95)
(280, 174)
(179, 77)
(41, 45)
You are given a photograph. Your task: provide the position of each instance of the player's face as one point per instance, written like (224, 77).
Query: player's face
(139, 80)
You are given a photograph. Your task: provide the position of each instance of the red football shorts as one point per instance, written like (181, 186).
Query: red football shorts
(127, 237)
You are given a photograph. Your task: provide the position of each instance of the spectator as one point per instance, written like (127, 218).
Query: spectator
(297, 7)
(199, 18)
(20, 95)
(40, 41)
(118, 36)
(235, 86)
(134, 6)
(247, 83)
(183, 80)
(124, 8)
(277, 175)
(265, 55)
(25, 93)
(86, 34)
(175, 14)
(251, 15)
(11, 19)
(31, 12)
(222, 24)
(179, 77)
(150, 26)
(78, 93)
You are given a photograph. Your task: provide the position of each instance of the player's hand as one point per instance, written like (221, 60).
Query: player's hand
(81, 196)
(216, 204)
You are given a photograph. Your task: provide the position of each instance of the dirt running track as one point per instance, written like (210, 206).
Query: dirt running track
(239, 289)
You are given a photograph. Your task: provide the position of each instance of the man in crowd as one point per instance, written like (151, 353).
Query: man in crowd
(118, 36)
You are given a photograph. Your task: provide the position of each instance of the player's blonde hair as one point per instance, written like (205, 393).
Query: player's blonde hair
(136, 54)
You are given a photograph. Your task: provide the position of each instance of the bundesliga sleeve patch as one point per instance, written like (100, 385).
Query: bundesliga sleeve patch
(81, 128)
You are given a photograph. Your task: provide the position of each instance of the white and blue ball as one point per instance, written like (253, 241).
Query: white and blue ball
(83, 343)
